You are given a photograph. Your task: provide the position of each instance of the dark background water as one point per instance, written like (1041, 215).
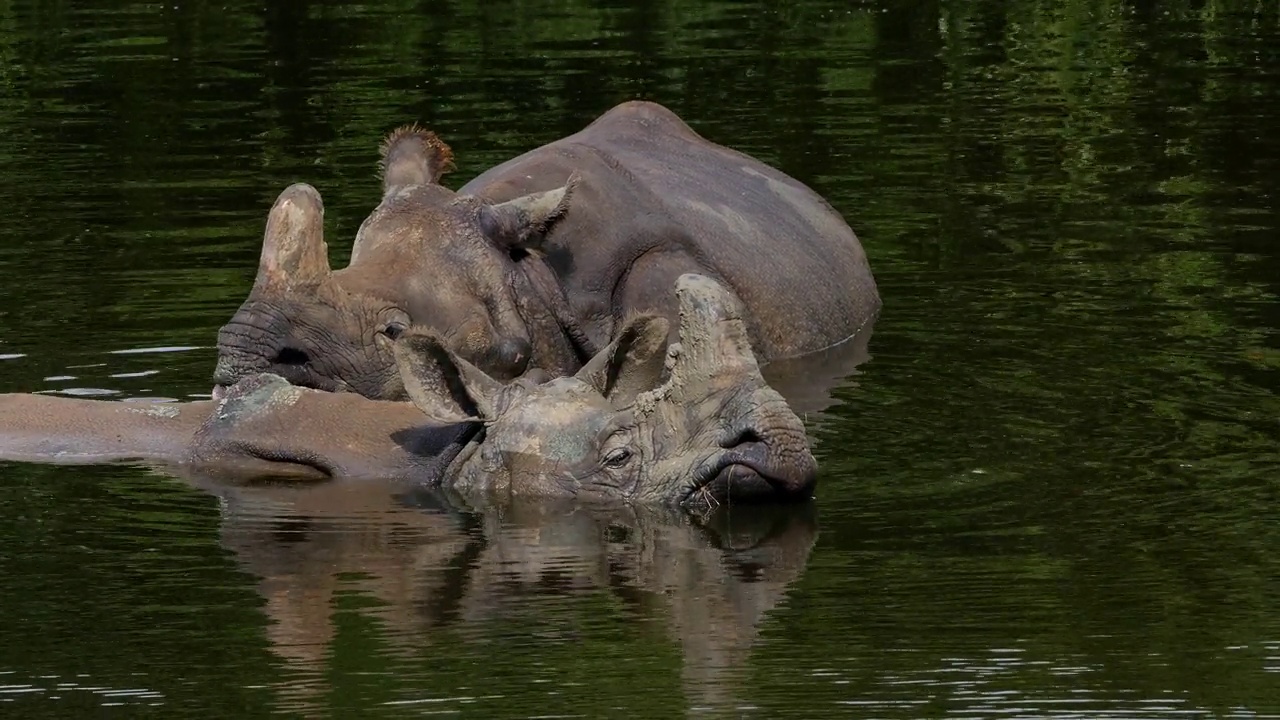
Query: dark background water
(1053, 492)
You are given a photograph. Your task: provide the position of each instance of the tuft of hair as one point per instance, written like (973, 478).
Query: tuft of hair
(439, 155)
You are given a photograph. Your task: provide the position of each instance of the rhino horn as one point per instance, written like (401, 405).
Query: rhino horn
(713, 335)
(293, 247)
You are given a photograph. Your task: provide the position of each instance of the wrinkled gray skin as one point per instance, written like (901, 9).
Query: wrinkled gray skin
(694, 424)
(538, 262)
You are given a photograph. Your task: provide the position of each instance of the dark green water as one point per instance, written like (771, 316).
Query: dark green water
(1053, 492)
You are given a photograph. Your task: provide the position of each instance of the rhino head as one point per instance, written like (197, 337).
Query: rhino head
(425, 256)
(693, 424)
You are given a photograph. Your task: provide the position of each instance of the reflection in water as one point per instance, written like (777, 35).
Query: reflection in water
(426, 563)
(809, 383)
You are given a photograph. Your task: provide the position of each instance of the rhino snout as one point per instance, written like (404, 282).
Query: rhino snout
(759, 462)
(791, 472)
(244, 347)
(258, 340)
(230, 369)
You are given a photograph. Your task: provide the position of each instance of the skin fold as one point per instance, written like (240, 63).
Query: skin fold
(539, 262)
(688, 424)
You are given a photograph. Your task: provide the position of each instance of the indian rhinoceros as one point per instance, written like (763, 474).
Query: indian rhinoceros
(537, 262)
(641, 421)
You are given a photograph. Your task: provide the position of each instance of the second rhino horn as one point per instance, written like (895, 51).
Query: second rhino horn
(713, 335)
(293, 247)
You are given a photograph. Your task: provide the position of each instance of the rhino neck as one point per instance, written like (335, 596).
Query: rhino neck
(468, 473)
(561, 346)
(434, 451)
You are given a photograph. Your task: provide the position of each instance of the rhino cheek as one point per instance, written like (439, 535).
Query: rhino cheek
(391, 388)
(478, 470)
(665, 468)
(667, 481)
(383, 383)
(345, 367)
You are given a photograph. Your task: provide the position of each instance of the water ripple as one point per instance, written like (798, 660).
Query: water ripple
(54, 688)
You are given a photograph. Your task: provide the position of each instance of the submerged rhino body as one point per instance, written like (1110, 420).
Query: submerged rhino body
(640, 422)
(538, 262)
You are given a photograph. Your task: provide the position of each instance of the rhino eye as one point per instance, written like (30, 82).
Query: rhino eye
(393, 330)
(617, 458)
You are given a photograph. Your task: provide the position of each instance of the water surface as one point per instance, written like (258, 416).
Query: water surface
(1051, 492)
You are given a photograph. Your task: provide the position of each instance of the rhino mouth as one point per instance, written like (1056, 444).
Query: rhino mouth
(748, 473)
(222, 383)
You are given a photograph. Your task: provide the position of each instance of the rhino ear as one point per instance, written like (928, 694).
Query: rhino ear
(524, 221)
(293, 247)
(632, 363)
(413, 156)
(443, 386)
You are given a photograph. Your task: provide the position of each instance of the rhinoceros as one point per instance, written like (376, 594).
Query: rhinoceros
(538, 262)
(643, 422)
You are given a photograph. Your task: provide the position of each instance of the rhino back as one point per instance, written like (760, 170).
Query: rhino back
(655, 194)
(266, 422)
(44, 428)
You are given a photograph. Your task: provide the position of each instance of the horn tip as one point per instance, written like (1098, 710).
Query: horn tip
(694, 288)
(301, 196)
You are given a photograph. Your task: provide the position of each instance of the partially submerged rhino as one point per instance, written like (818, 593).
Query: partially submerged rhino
(641, 422)
(538, 262)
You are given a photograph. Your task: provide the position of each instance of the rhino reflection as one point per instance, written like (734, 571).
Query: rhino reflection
(809, 383)
(431, 564)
